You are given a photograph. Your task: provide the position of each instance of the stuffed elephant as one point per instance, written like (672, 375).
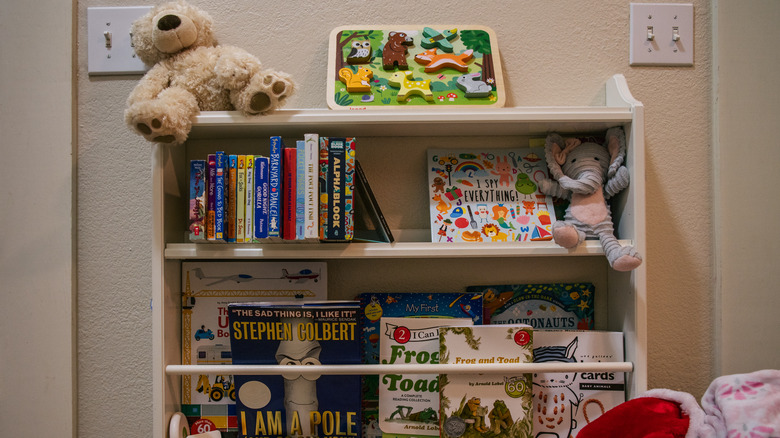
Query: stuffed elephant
(588, 174)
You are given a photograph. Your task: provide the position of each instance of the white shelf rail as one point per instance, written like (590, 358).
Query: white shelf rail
(360, 369)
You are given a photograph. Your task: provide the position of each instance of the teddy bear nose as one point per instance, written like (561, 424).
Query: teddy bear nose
(169, 22)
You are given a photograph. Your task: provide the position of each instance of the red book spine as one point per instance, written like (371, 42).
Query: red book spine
(289, 195)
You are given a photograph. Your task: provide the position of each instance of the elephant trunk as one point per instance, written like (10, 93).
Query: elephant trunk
(584, 182)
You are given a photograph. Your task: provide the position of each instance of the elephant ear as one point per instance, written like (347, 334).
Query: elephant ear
(616, 145)
(553, 150)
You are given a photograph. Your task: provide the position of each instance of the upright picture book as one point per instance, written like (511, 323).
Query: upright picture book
(376, 305)
(565, 402)
(409, 402)
(337, 184)
(208, 400)
(488, 195)
(491, 405)
(296, 403)
(565, 306)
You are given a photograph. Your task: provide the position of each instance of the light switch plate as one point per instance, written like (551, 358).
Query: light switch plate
(661, 34)
(109, 49)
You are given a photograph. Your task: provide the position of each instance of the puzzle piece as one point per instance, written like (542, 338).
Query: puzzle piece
(360, 52)
(410, 86)
(472, 86)
(435, 61)
(356, 82)
(432, 38)
(395, 51)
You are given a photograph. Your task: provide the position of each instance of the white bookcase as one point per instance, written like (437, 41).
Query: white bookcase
(391, 147)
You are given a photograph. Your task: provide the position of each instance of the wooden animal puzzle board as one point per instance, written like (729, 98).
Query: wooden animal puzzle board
(434, 66)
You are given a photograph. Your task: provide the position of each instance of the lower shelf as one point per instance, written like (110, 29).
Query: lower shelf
(625, 367)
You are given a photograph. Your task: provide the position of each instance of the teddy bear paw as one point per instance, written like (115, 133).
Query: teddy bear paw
(265, 93)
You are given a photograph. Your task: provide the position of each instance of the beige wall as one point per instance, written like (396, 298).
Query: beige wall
(748, 106)
(554, 53)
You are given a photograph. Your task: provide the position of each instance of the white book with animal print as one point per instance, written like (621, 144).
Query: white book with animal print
(491, 405)
(565, 402)
(489, 195)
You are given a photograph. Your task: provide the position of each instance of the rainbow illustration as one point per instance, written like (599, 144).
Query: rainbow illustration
(469, 166)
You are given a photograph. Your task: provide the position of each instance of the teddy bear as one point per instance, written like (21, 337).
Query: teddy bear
(588, 174)
(190, 72)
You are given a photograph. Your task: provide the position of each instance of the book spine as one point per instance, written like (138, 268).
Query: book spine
(249, 205)
(311, 231)
(210, 197)
(289, 163)
(219, 192)
(300, 189)
(336, 183)
(230, 210)
(275, 188)
(197, 200)
(349, 189)
(240, 198)
(261, 197)
(324, 187)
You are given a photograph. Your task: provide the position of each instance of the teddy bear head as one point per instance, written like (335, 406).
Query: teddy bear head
(169, 29)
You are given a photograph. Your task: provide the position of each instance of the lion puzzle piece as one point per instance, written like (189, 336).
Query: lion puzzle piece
(432, 38)
(410, 86)
(356, 82)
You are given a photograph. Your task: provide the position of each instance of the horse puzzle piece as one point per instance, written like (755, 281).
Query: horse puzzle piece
(409, 86)
(434, 61)
(432, 38)
(360, 52)
(472, 86)
(395, 50)
(356, 82)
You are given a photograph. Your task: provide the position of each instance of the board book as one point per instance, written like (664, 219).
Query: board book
(375, 305)
(491, 405)
(565, 402)
(488, 195)
(543, 306)
(303, 333)
(208, 401)
(439, 67)
(409, 403)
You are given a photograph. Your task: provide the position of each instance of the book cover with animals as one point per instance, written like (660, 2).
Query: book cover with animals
(488, 195)
(296, 404)
(565, 402)
(376, 305)
(566, 306)
(491, 405)
(409, 403)
(197, 205)
(208, 401)
(431, 66)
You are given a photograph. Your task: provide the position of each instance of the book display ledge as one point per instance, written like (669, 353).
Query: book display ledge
(623, 295)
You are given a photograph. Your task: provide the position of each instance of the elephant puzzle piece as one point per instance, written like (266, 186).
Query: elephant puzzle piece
(395, 51)
(409, 86)
(356, 82)
(436, 61)
(432, 38)
(472, 86)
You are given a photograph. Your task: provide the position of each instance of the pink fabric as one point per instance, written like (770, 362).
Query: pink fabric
(744, 405)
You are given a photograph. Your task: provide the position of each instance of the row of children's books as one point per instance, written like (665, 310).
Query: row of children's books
(276, 313)
(303, 191)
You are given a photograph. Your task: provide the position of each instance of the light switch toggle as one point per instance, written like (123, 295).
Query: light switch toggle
(107, 36)
(675, 33)
(650, 35)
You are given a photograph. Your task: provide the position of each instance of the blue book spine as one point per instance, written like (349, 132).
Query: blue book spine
(275, 187)
(300, 191)
(261, 197)
(219, 196)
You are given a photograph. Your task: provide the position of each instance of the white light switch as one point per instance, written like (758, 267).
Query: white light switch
(109, 49)
(661, 34)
